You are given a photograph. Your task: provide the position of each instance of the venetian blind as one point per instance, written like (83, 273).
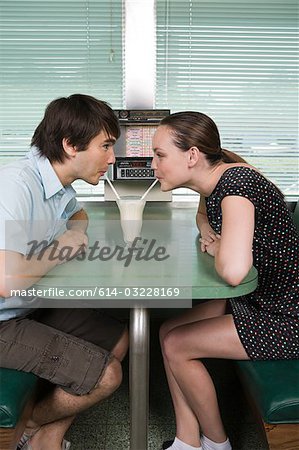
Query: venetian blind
(51, 49)
(237, 61)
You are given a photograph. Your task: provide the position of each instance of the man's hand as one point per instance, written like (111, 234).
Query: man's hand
(71, 244)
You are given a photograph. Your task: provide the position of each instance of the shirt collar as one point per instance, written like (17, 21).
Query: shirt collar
(49, 178)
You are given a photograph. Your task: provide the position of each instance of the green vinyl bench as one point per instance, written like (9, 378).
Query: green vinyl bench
(17, 391)
(272, 388)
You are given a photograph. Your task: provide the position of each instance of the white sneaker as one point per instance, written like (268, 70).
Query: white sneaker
(66, 445)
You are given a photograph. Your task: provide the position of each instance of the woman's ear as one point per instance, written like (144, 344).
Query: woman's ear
(193, 157)
(69, 149)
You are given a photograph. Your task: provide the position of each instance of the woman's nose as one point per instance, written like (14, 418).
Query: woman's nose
(153, 164)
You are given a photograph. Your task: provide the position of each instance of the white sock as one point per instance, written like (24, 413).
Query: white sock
(180, 445)
(207, 444)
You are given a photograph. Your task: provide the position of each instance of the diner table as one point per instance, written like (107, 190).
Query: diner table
(106, 283)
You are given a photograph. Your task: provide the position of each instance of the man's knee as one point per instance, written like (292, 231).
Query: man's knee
(112, 377)
(121, 347)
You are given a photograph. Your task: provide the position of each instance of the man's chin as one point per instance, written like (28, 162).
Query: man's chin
(165, 187)
(93, 181)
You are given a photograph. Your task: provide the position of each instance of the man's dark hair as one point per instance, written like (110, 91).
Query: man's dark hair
(77, 118)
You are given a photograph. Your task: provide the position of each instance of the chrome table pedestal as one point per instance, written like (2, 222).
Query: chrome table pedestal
(139, 377)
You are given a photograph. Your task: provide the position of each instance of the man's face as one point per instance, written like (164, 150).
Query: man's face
(91, 164)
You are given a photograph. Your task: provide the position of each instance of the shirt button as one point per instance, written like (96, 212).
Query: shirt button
(55, 358)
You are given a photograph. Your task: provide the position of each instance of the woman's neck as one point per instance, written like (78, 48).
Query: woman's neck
(205, 180)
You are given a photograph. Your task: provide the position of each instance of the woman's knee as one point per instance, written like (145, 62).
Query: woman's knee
(171, 346)
(164, 330)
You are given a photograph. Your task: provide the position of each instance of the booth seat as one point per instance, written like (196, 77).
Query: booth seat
(16, 401)
(273, 390)
(272, 386)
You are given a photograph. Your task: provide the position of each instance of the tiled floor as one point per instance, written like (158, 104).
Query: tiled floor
(106, 426)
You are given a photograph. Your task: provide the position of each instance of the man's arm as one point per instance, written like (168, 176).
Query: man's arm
(78, 221)
(18, 271)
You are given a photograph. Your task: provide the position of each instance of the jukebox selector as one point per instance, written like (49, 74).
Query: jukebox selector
(130, 168)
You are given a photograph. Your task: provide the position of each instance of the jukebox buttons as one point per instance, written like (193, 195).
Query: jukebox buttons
(133, 168)
(123, 114)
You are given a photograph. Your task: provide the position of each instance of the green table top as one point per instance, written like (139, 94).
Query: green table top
(175, 223)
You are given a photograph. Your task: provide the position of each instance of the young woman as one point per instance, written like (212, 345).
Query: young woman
(243, 221)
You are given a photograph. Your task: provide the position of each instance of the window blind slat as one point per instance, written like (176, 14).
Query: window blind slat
(236, 61)
(52, 49)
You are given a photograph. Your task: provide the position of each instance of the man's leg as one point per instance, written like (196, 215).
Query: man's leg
(53, 415)
(56, 412)
(85, 371)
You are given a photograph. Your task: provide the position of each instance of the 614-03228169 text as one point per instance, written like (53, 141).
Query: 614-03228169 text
(99, 292)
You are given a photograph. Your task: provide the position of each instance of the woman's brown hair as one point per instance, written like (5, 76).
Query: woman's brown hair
(195, 129)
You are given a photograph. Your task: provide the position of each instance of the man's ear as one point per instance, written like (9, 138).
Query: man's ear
(193, 157)
(69, 148)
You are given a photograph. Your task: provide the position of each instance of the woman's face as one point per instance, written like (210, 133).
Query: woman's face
(169, 162)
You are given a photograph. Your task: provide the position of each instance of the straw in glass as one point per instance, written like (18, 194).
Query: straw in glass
(151, 186)
(112, 187)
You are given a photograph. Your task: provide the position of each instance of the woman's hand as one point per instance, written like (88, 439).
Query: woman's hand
(208, 237)
(212, 246)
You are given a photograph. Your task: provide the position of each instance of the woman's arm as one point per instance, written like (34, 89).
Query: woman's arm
(233, 251)
(207, 234)
(201, 215)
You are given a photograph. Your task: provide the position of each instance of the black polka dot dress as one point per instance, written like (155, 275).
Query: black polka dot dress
(267, 320)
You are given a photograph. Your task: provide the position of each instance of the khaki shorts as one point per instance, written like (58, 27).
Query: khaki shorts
(70, 348)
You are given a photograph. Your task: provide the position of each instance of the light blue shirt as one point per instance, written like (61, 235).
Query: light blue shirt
(34, 206)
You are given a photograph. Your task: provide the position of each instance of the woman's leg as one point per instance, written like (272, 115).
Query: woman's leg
(186, 420)
(214, 337)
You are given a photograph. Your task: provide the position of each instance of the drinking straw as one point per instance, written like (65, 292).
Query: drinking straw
(151, 186)
(112, 187)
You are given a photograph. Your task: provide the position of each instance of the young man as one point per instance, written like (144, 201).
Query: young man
(78, 350)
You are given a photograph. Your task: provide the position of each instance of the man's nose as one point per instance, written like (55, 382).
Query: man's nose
(111, 159)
